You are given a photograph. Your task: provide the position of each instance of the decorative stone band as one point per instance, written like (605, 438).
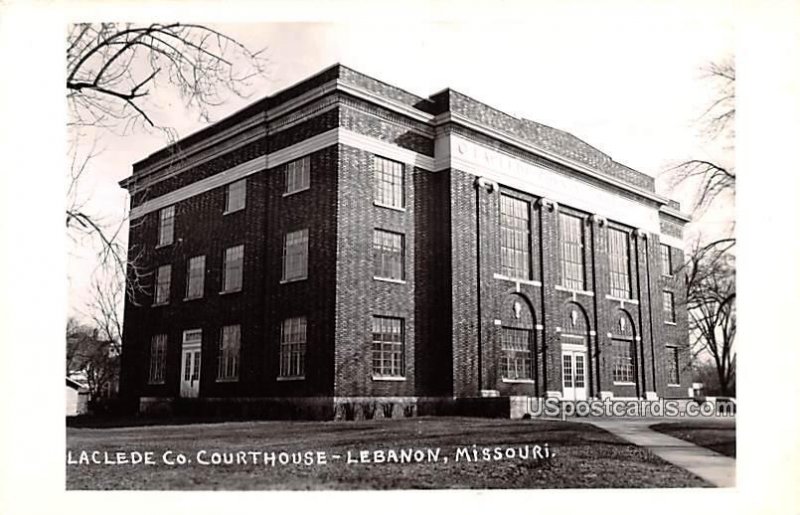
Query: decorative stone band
(474, 159)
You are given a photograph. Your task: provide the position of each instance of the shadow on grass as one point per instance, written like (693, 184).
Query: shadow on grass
(718, 436)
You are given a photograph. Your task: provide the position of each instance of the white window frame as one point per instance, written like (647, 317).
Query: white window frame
(163, 285)
(297, 176)
(294, 337)
(158, 359)
(515, 237)
(619, 263)
(669, 307)
(166, 226)
(384, 254)
(573, 270)
(666, 260)
(230, 257)
(381, 348)
(229, 357)
(200, 278)
(674, 362)
(387, 192)
(236, 196)
(295, 256)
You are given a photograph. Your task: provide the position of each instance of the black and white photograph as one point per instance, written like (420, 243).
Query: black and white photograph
(387, 249)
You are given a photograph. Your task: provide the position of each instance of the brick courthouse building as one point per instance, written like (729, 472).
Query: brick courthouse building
(345, 244)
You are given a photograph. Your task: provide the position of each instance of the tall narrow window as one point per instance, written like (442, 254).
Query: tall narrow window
(228, 364)
(195, 277)
(388, 347)
(163, 281)
(514, 237)
(293, 348)
(298, 176)
(666, 260)
(669, 306)
(236, 196)
(388, 181)
(158, 359)
(232, 269)
(622, 355)
(619, 263)
(572, 257)
(674, 366)
(166, 226)
(295, 255)
(516, 358)
(387, 251)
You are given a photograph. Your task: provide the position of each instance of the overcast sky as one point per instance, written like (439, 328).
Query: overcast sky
(628, 82)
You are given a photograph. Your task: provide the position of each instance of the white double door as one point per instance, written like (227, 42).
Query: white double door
(190, 363)
(573, 374)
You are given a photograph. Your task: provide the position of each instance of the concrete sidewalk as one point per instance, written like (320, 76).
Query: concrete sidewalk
(713, 467)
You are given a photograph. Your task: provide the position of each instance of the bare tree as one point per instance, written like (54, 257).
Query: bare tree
(710, 275)
(111, 70)
(91, 357)
(717, 123)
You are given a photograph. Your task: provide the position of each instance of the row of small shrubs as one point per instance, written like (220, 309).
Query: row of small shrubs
(367, 410)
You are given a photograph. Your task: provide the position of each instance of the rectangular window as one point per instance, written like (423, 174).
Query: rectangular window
(619, 263)
(293, 347)
(388, 253)
(298, 176)
(388, 183)
(666, 260)
(158, 359)
(195, 277)
(163, 280)
(669, 306)
(232, 269)
(236, 196)
(674, 366)
(572, 259)
(166, 226)
(516, 358)
(388, 347)
(622, 360)
(514, 237)
(228, 365)
(295, 255)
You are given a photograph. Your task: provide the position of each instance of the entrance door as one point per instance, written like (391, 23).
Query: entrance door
(190, 363)
(573, 375)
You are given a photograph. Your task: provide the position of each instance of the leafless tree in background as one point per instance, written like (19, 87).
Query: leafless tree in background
(710, 277)
(717, 123)
(111, 70)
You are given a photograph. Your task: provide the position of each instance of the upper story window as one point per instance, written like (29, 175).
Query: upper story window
(666, 260)
(619, 263)
(388, 181)
(232, 269)
(298, 176)
(166, 226)
(295, 256)
(293, 347)
(515, 241)
(572, 256)
(158, 359)
(235, 196)
(387, 249)
(163, 280)
(229, 348)
(195, 277)
(669, 306)
(388, 347)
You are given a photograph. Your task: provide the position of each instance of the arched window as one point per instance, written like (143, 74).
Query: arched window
(517, 339)
(623, 335)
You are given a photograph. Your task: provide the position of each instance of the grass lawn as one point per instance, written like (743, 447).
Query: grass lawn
(718, 434)
(582, 456)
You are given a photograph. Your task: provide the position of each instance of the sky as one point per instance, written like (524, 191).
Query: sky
(628, 82)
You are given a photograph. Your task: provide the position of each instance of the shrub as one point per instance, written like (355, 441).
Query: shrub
(368, 408)
(388, 409)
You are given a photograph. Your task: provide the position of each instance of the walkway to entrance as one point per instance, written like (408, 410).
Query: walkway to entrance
(713, 467)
